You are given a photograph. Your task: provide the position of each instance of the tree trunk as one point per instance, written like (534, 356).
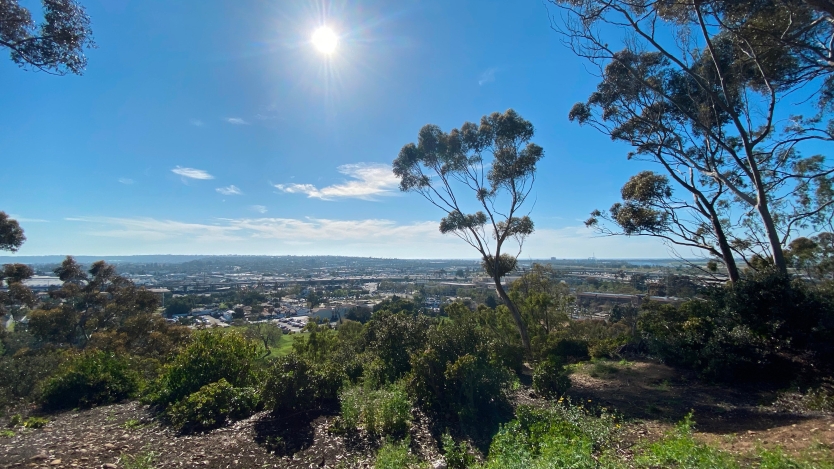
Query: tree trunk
(726, 252)
(776, 253)
(519, 322)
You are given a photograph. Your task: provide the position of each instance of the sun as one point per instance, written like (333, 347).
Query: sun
(325, 40)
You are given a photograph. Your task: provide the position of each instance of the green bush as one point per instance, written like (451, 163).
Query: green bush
(20, 375)
(392, 338)
(395, 455)
(380, 411)
(766, 324)
(550, 378)
(455, 454)
(679, 450)
(294, 385)
(93, 378)
(454, 374)
(560, 436)
(210, 356)
(212, 406)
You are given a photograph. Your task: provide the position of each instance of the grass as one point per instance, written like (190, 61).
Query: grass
(5, 433)
(143, 460)
(284, 345)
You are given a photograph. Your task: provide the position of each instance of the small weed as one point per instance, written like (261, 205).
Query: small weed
(133, 424)
(35, 422)
(7, 433)
(143, 460)
(601, 369)
(455, 454)
(663, 385)
(15, 421)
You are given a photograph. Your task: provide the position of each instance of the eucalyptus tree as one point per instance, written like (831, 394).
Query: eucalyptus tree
(11, 234)
(480, 176)
(56, 45)
(696, 87)
(649, 208)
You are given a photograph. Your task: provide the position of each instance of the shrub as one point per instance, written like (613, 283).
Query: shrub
(93, 378)
(380, 411)
(550, 378)
(679, 449)
(455, 454)
(212, 406)
(295, 385)
(210, 356)
(392, 338)
(395, 455)
(560, 436)
(454, 374)
(21, 374)
(763, 325)
(35, 422)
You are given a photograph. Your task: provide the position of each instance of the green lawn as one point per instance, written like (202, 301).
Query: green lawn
(284, 345)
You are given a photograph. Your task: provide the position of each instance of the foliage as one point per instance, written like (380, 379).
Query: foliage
(35, 422)
(56, 45)
(679, 450)
(11, 234)
(21, 374)
(318, 345)
(293, 385)
(210, 356)
(93, 378)
(441, 166)
(392, 338)
(383, 412)
(550, 378)
(558, 436)
(764, 325)
(454, 374)
(455, 454)
(395, 455)
(212, 406)
(144, 460)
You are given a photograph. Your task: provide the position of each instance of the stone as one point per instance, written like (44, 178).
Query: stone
(55, 462)
(110, 465)
(439, 464)
(39, 456)
(109, 445)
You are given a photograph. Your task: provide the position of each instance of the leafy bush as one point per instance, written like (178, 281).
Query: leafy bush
(21, 374)
(210, 356)
(380, 411)
(392, 338)
(294, 385)
(560, 436)
(550, 378)
(93, 378)
(454, 374)
(395, 455)
(212, 406)
(455, 454)
(35, 422)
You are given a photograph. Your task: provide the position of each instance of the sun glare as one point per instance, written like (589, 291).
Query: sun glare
(325, 40)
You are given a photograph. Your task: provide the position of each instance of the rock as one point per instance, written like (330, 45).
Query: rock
(110, 465)
(55, 462)
(439, 464)
(109, 445)
(39, 456)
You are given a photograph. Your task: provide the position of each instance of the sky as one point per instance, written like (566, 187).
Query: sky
(217, 127)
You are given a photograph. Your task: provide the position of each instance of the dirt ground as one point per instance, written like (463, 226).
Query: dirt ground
(648, 396)
(652, 397)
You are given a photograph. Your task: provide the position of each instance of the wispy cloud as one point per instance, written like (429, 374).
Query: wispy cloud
(236, 121)
(192, 173)
(368, 182)
(126, 181)
(258, 208)
(231, 190)
(27, 220)
(487, 76)
(196, 122)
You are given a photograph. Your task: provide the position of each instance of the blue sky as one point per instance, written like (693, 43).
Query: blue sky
(208, 127)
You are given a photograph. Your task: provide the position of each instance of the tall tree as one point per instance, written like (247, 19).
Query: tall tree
(699, 90)
(56, 45)
(495, 163)
(11, 234)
